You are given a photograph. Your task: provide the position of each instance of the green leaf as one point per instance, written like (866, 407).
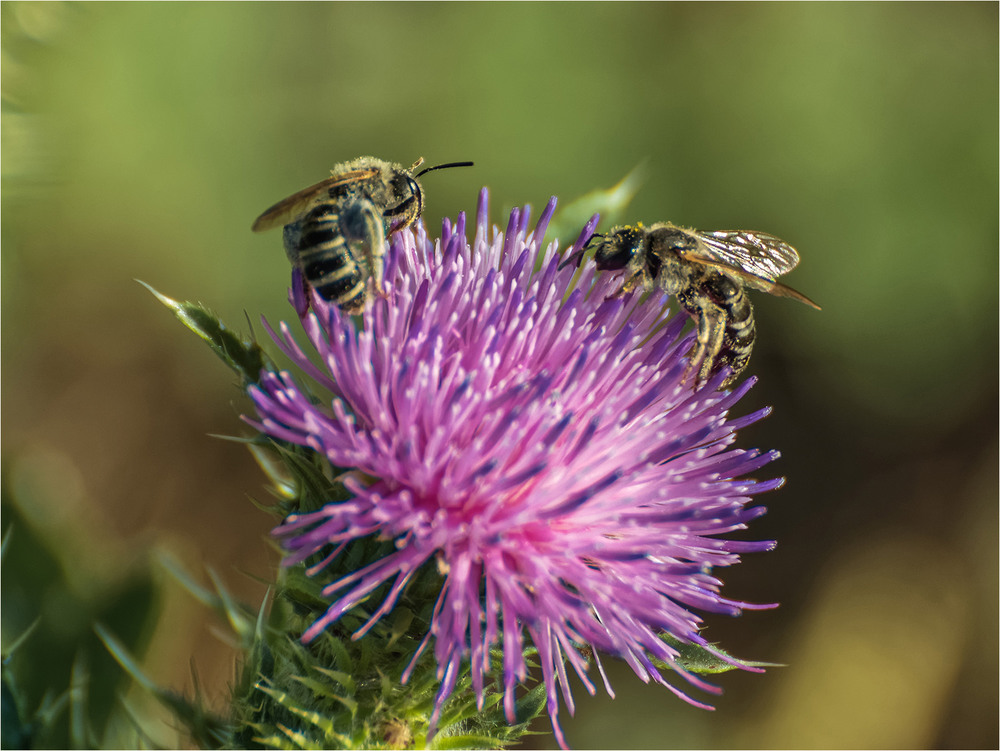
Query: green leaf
(79, 731)
(242, 625)
(125, 659)
(9, 652)
(610, 203)
(17, 730)
(532, 704)
(276, 469)
(467, 741)
(244, 356)
(318, 688)
(180, 574)
(319, 721)
(6, 540)
(208, 730)
(340, 677)
(709, 659)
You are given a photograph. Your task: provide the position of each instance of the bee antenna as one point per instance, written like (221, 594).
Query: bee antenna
(577, 257)
(444, 166)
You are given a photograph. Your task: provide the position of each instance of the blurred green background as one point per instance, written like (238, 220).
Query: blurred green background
(141, 140)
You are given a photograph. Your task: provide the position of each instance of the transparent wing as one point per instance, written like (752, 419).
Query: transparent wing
(755, 281)
(288, 210)
(757, 253)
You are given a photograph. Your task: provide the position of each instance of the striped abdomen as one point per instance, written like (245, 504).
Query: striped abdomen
(739, 328)
(325, 259)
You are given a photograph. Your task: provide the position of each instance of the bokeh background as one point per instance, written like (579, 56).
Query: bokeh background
(141, 140)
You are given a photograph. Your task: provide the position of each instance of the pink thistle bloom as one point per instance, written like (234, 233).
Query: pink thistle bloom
(533, 438)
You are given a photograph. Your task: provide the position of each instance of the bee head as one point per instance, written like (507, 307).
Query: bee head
(408, 195)
(614, 251)
(407, 200)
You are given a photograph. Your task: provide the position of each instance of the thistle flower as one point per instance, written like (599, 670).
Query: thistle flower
(532, 436)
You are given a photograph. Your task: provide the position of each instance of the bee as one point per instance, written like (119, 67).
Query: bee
(708, 272)
(335, 231)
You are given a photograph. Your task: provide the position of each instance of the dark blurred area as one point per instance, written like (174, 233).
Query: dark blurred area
(141, 140)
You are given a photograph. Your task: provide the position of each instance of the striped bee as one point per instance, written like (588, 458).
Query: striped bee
(336, 230)
(708, 273)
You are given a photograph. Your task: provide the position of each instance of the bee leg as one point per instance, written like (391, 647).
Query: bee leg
(711, 332)
(299, 294)
(363, 229)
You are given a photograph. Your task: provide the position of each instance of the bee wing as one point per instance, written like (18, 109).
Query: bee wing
(286, 211)
(756, 253)
(754, 281)
(782, 290)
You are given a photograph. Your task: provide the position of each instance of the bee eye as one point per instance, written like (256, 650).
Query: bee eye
(404, 186)
(402, 207)
(612, 254)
